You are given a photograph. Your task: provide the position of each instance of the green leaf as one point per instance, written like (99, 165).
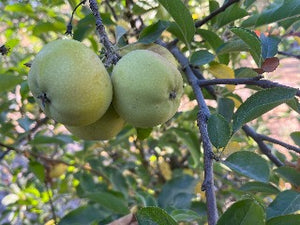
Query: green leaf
(143, 133)
(177, 192)
(256, 186)
(84, 215)
(45, 27)
(269, 46)
(294, 104)
(296, 137)
(109, 200)
(190, 139)
(260, 103)
(38, 170)
(225, 108)
(184, 215)
(231, 14)
(277, 12)
(8, 82)
(252, 41)
(213, 6)
(40, 139)
(244, 72)
(218, 130)
(152, 33)
(154, 216)
(215, 42)
(249, 164)
(245, 212)
(181, 14)
(289, 174)
(201, 57)
(285, 220)
(84, 27)
(237, 45)
(287, 202)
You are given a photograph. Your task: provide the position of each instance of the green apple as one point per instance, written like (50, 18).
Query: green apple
(152, 47)
(147, 88)
(107, 127)
(70, 83)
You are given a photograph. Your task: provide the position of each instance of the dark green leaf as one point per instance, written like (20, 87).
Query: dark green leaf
(294, 104)
(213, 6)
(249, 164)
(143, 133)
(8, 82)
(285, 203)
(152, 33)
(252, 41)
(84, 27)
(285, 220)
(184, 215)
(231, 14)
(218, 130)
(244, 72)
(289, 174)
(181, 14)
(109, 200)
(225, 108)
(215, 42)
(269, 45)
(38, 170)
(233, 46)
(260, 103)
(296, 137)
(256, 186)
(279, 11)
(245, 212)
(154, 216)
(177, 192)
(201, 57)
(83, 215)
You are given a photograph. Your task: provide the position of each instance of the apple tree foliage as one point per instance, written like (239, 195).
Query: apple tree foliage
(154, 176)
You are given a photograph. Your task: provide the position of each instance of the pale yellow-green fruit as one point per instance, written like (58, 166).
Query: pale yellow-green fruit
(152, 47)
(147, 88)
(57, 170)
(105, 128)
(70, 83)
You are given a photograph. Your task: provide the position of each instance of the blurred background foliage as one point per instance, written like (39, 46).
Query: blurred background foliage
(101, 181)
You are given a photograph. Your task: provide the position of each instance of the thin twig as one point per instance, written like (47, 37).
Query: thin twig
(262, 146)
(51, 203)
(208, 183)
(289, 54)
(249, 81)
(111, 9)
(199, 23)
(111, 56)
(278, 142)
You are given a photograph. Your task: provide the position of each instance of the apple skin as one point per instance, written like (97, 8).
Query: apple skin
(105, 128)
(147, 88)
(57, 170)
(152, 47)
(70, 83)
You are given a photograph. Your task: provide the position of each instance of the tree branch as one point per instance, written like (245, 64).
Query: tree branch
(278, 142)
(111, 56)
(262, 146)
(289, 54)
(249, 81)
(208, 183)
(199, 23)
